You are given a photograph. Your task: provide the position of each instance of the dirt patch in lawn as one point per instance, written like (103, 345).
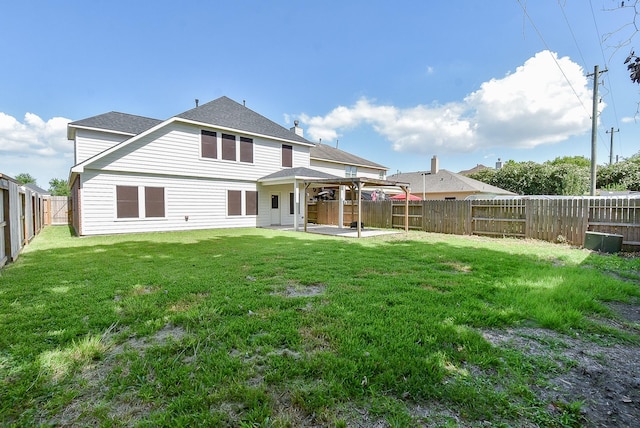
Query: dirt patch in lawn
(299, 290)
(126, 408)
(605, 378)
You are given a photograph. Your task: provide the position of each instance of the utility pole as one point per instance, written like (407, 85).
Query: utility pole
(611, 147)
(594, 127)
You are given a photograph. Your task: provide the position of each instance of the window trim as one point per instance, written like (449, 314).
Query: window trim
(226, 149)
(350, 171)
(212, 144)
(287, 155)
(237, 209)
(248, 196)
(141, 203)
(127, 201)
(245, 145)
(148, 201)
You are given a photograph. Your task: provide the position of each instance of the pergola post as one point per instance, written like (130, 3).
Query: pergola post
(359, 223)
(406, 207)
(341, 196)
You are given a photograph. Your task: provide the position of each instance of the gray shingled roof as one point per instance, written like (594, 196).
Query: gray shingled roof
(119, 122)
(325, 152)
(445, 181)
(226, 113)
(298, 172)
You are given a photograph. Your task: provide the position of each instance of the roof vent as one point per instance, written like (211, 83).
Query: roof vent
(197, 102)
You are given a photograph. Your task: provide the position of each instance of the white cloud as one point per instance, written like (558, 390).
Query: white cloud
(532, 106)
(628, 119)
(34, 136)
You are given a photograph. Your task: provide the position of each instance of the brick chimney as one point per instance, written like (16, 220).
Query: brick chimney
(299, 131)
(435, 165)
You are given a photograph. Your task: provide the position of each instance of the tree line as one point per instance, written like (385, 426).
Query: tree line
(567, 176)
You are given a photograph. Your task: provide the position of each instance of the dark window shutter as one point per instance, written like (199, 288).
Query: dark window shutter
(234, 202)
(154, 201)
(292, 201)
(127, 201)
(251, 202)
(209, 144)
(246, 150)
(228, 147)
(287, 155)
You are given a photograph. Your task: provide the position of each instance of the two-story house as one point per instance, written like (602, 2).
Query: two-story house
(217, 165)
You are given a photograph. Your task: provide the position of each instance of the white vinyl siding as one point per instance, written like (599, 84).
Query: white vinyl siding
(90, 143)
(189, 204)
(176, 150)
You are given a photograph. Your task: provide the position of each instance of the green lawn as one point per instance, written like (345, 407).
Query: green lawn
(253, 327)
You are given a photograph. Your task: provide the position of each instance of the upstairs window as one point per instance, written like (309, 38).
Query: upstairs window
(351, 171)
(246, 150)
(287, 156)
(228, 147)
(127, 201)
(208, 144)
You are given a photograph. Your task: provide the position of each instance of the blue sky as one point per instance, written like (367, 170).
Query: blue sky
(395, 82)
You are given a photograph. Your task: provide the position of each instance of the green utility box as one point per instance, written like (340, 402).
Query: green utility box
(603, 242)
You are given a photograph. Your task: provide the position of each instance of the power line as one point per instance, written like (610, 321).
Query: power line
(573, 35)
(604, 59)
(524, 10)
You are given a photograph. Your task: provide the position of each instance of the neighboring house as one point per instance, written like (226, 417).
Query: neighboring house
(217, 165)
(442, 184)
(479, 168)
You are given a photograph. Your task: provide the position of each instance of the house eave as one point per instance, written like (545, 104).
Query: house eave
(71, 131)
(378, 167)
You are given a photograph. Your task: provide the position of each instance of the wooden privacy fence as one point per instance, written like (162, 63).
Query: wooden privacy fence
(553, 220)
(58, 211)
(21, 217)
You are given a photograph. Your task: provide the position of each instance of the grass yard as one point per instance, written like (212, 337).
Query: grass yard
(262, 328)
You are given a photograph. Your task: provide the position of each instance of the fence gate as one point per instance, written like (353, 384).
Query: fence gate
(59, 210)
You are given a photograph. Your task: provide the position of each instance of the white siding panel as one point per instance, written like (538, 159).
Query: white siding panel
(203, 201)
(90, 143)
(339, 169)
(175, 150)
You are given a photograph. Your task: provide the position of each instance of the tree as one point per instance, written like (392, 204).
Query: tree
(485, 175)
(624, 175)
(25, 178)
(59, 187)
(579, 161)
(562, 176)
(633, 67)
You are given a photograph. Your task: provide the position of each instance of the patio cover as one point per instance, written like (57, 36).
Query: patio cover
(357, 183)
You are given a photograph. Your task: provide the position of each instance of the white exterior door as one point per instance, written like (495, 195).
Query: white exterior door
(275, 209)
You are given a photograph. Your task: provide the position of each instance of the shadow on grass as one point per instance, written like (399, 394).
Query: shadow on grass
(398, 318)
